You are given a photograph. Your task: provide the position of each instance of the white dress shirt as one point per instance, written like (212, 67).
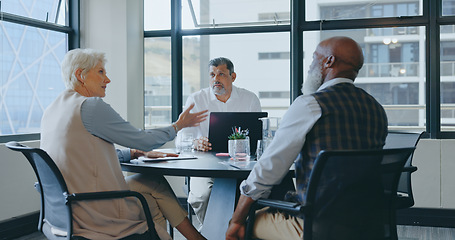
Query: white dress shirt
(241, 100)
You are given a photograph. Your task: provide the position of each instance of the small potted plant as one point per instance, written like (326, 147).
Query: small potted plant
(239, 144)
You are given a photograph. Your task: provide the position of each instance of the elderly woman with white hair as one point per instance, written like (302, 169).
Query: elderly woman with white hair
(79, 131)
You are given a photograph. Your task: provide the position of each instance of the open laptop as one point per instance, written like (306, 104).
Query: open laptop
(221, 124)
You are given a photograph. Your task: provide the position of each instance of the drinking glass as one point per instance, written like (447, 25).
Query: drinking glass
(262, 145)
(186, 144)
(259, 149)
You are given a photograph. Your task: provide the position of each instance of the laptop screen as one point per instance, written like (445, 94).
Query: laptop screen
(222, 123)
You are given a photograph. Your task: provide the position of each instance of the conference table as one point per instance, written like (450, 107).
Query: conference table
(227, 177)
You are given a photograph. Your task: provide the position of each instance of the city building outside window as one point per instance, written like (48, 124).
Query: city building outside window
(395, 69)
(30, 62)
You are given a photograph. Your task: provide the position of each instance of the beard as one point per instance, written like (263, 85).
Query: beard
(313, 80)
(218, 90)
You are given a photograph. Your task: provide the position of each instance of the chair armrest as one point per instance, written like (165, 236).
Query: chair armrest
(410, 169)
(101, 195)
(116, 194)
(290, 207)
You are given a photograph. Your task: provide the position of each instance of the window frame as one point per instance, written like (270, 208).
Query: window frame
(72, 28)
(431, 19)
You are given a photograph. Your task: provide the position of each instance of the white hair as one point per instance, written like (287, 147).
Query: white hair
(313, 80)
(84, 59)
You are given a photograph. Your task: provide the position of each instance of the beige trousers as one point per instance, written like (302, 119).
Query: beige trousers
(200, 189)
(161, 199)
(276, 226)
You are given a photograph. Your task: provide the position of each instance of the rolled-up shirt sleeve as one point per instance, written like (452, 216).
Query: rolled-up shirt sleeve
(101, 120)
(124, 155)
(279, 156)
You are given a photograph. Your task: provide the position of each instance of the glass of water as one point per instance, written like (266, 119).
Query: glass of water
(185, 146)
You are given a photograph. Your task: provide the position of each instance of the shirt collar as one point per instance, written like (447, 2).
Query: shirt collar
(334, 82)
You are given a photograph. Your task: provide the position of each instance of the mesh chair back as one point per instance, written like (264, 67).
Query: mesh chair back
(52, 186)
(350, 194)
(401, 140)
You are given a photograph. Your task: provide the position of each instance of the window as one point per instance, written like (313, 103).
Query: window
(366, 9)
(276, 16)
(157, 86)
(274, 94)
(273, 55)
(392, 72)
(52, 11)
(447, 58)
(398, 66)
(157, 15)
(400, 101)
(251, 74)
(221, 13)
(448, 7)
(34, 40)
(391, 59)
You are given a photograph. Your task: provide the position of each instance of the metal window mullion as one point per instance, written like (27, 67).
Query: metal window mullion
(297, 20)
(74, 24)
(433, 69)
(236, 30)
(12, 18)
(176, 59)
(348, 24)
(218, 31)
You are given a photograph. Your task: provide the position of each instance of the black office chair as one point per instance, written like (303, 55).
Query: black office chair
(56, 221)
(399, 140)
(351, 195)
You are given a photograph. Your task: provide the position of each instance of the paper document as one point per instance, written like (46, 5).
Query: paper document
(181, 157)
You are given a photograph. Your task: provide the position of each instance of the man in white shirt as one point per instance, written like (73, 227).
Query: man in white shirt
(221, 96)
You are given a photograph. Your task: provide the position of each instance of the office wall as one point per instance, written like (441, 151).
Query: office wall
(116, 28)
(433, 182)
(17, 193)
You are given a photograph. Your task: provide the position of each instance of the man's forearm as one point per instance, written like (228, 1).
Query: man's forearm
(241, 211)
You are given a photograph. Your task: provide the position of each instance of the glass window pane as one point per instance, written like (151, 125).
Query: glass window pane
(221, 13)
(268, 78)
(157, 95)
(157, 15)
(393, 72)
(30, 75)
(447, 57)
(53, 11)
(349, 9)
(448, 7)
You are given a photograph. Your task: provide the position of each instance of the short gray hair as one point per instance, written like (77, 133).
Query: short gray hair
(78, 58)
(222, 61)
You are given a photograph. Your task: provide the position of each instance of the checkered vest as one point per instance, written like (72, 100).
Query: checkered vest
(351, 119)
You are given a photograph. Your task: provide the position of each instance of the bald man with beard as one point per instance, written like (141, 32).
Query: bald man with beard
(330, 105)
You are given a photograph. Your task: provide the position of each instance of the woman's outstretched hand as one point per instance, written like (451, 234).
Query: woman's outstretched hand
(187, 119)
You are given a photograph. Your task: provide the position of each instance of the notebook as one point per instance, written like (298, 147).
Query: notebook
(221, 124)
